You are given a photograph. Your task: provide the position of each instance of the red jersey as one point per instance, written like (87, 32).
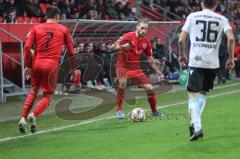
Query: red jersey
(48, 39)
(237, 52)
(130, 58)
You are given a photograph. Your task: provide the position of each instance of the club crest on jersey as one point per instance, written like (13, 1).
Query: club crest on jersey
(144, 45)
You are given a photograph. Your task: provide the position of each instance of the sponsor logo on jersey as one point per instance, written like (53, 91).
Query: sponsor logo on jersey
(144, 45)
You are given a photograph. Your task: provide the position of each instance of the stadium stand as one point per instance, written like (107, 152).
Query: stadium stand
(102, 9)
(165, 10)
(35, 20)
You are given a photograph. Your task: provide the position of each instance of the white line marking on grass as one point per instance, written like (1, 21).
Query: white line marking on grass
(58, 128)
(105, 118)
(226, 86)
(217, 87)
(209, 97)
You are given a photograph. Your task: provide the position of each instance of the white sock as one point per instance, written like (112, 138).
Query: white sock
(202, 102)
(195, 113)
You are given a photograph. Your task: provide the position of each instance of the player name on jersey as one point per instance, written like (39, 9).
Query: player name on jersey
(210, 46)
(207, 16)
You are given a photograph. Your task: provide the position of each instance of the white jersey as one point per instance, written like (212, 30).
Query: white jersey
(205, 29)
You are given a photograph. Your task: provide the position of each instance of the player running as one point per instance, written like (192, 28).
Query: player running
(205, 29)
(130, 47)
(48, 39)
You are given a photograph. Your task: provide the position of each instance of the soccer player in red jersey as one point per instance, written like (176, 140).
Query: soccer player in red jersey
(130, 47)
(48, 39)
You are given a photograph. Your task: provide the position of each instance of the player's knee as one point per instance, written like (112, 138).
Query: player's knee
(203, 92)
(147, 87)
(192, 95)
(150, 92)
(123, 85)
(34, 90)
(48, 95)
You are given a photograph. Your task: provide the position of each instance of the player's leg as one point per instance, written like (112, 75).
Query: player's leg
(48, 83)
(144, 82)
(41, 106)
(31, 97)
(194, 86)
(122, 83)
(120, 97)
(29, 101)
(120, 92)
(202, 100)
(151, 98)
(208, 82)
(195, 116)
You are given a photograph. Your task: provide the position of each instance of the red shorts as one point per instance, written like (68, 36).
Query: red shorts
(44, 75)
(136, 77)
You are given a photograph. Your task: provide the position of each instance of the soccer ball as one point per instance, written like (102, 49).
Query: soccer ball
(138, 114)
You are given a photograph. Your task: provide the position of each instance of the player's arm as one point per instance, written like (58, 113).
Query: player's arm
(121, 43)
(182, 42)
(70, 49)
(72, 58)
(152, 62)
(28, 53)
(27, 48)
(182, 48)
(231, 46)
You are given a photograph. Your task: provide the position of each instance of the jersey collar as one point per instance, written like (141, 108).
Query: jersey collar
(206, 9)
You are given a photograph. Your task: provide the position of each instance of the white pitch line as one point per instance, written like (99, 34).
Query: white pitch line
(225, 86)
(105, 118)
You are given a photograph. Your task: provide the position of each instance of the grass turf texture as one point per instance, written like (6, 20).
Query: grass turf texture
(114, 138)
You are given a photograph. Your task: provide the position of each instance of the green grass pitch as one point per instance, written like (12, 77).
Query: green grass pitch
(160, 138)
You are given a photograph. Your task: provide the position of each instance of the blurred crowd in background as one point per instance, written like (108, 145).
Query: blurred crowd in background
(33, 11)
(10, 10)
(182, 8)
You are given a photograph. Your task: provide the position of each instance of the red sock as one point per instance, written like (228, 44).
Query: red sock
(152, 100)
(120, 97)
(41, 106)
(31, 97)
(79, 80)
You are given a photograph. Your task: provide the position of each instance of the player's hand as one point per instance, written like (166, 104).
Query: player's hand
(182, 61)
(28, 73)
(161, 76)
(230, 64)
(157, 62)
(125, 46)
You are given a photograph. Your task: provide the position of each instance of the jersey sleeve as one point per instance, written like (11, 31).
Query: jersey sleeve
(31, 36)
(237, 52)
(226, 26)
(69, 44)
(122, 39)
(186, 26)
(149, 51)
